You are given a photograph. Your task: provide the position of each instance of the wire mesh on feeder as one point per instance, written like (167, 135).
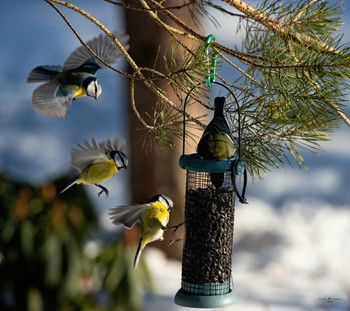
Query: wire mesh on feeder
(209, 213)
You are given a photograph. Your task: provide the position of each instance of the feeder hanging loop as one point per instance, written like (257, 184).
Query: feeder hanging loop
(210, 78)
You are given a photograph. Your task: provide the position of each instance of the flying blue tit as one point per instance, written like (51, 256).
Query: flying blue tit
(153, 217)
(77, 77)
(97, 163)
(216, 141)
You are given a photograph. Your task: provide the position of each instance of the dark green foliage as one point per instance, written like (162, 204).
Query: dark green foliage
(43, 264)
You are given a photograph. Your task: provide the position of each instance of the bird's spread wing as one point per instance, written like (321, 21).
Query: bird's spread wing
(86, 154)
(43, 73)
(103, 46)
(50, 99)
(108, 146)
(127, 215)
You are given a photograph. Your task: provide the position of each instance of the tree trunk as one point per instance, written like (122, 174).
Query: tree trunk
(153, 172)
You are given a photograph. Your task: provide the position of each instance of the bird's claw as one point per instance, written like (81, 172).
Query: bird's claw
(177, 226)
(104, 189)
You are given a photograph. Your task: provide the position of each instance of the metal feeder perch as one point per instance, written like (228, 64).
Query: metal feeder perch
(209, 220)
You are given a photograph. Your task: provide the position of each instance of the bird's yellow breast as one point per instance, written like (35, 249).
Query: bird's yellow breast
(98, 171)
(81, 92)
(157, 210)
(154, 218)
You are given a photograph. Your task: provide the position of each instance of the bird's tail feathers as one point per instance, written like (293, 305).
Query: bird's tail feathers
(217, 179)
(43, 73)
(70, 184)
(138, 253)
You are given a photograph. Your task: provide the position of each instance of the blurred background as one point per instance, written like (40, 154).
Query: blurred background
(291, 243)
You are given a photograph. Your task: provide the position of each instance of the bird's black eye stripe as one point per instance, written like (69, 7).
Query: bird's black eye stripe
(87, 81)
(121, 158)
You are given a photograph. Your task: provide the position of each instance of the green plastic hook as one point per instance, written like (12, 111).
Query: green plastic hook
(210, 78)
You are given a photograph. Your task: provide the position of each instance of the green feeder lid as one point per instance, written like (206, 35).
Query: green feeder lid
(194, 162)
(201, 301)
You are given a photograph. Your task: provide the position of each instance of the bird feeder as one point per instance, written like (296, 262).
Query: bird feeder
(209, 220)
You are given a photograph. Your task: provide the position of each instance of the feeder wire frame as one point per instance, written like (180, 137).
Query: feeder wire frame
(196, 180)
(206, 289)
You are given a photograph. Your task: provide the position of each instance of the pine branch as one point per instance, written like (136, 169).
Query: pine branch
(290, 74)
(280, 28)
(83, 42)
(135, 8)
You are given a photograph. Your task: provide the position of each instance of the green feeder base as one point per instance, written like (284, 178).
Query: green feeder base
(199, 301)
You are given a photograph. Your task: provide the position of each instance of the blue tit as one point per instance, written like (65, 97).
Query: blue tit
(97, 163)
(153, 217)
(216, 142)
(77, 77)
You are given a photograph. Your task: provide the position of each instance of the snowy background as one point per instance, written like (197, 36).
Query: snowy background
(291, 243)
